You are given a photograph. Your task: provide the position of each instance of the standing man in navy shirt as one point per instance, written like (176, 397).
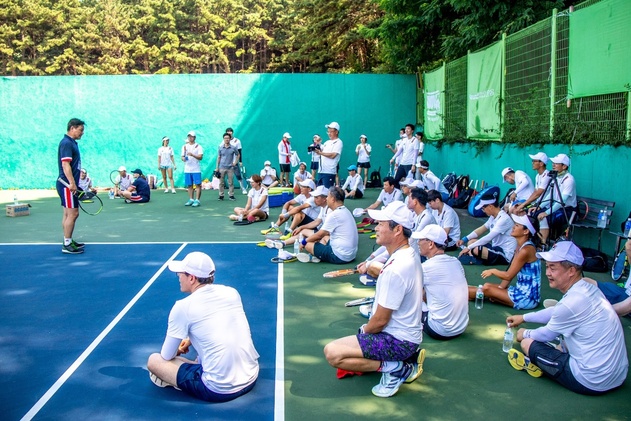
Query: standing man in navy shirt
(69, 162)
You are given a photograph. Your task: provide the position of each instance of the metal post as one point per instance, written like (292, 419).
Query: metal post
(553, 69)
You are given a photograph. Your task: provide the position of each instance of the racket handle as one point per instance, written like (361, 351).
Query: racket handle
(62, 181)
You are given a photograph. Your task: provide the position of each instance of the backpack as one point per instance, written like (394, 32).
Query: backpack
(460, 196)
(450, 181)
(595, 261)
(375, 179)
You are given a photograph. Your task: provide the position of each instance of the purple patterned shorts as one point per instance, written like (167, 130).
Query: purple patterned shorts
(385, 347)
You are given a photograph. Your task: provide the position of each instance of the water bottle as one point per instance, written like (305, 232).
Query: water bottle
(15, 199)
(627, 228)
(605, 217)
(296, 247)
(240, 217)
(479, 298)
(111, 194)
(601, 219)
(508, 339)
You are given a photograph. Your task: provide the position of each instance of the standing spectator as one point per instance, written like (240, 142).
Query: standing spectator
(315, 158)
(227, 158)
(330, 154)
(69, 165)
(284, 160)
(268, 174)
(408, 151)
(523, 187)
(419, 157)
(237, 169)
(139, 191)
(353, 186)
(394, 149)
(363, 156)
(213, 321)
(192, 154)
(166, 164)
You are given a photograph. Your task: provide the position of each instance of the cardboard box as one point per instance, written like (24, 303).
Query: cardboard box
(21, 209)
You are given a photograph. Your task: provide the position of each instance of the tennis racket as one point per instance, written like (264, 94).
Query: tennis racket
(89, 202)
(340, 272)
(620, 265)
(113, 176)
(359, 302)
(582, 209)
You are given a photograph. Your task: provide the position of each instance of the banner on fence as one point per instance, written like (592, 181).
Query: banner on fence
(599, 55)
(484, 87)
(434, 97)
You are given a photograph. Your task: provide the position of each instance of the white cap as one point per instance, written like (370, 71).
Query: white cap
(321, 191)
(333, 125)
(122, 168)
(433, 233)
(506, 171)
(407, 182)
(308, 183)
(561, 159)
(563, 251)
(416, 184)
(362, 136)
(486, 199)
(191, 133)
(286, 135)
(84, 170)
(267, 163)
(357, 212)
(523, 220)
(196, 263)
(540, 156)
(395, 211)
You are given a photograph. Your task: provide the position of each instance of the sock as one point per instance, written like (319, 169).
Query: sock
(389, 366)
(67, 241)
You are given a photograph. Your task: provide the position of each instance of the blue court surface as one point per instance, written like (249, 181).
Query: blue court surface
(77, 331)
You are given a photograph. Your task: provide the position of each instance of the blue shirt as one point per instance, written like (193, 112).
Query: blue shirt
(68, 151)
(142, 187)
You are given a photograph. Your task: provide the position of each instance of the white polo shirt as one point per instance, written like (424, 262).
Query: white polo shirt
(340, 224)
(329, 165)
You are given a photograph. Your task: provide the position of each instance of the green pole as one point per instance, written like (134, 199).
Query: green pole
(628, 137)
(503, 93)
(553, 69)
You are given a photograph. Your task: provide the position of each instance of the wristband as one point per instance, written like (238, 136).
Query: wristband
(465, 240)
(304, 242)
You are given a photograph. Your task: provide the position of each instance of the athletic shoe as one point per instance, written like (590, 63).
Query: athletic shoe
(417, 367)
(520, 362)
(390, 382)
(232, 198)
(127, 201)
(273, 244)
(220, 198)
(77, 245)
(285, 237)
(159, 382)
(71, 249)
(306, 258)
(261, 244)
(366, 310)
(166, 190)
(195, 203)
(189, 203)
(173, 191)
(244, 191)
(367, 280)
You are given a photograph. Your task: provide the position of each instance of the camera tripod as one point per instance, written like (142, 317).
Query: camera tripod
(551, 189)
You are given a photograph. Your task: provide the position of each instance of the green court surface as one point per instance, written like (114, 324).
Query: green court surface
(466, 378)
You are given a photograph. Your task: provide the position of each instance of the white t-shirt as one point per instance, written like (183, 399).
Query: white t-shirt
(499, 228)
(329, 165)
(447, 295)
(448, 218)
(165, 153)
(387, 198)
(214, 320)
(268, 175)
(397, 146)
(400, 289)
(284, 152)
(257, 196)
(431, 182)
(419, 157)
(124, 182)
(312, 211)
(354, 183)
(407, 151)
(340, 224)
(191, 165)
(567, 185)
(85, 183)
(298, 177)
(593, 336)
(421, 221)
(324, 211)
(361, 151)
(523, 185)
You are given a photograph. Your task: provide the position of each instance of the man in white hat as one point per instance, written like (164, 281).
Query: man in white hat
(122, 181)
(213, 321)
(192, 154)
(446, 312)
(284, 159)
(558, 208)
(539, 162)
(330, 154)
(523, 187)
(301, 209)
(268, 175)
(390, 342)
(592, 358)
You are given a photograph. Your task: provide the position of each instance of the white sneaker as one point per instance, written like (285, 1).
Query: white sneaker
(366, 310)
(273, 244)
(306, 258)
(159, 382)
(367, 280)
(244, 191)
(173, 191)
(166, 190)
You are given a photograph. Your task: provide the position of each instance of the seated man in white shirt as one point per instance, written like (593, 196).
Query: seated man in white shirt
(446, 217)
(523, 187)
(353, 186)
(432, 182)
(301, 209)
(388, 194)
(495, 248)
(446, 309)
(268, 174)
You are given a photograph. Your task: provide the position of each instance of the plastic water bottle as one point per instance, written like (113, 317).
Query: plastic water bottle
(479, 298)
(601, 219)
(605, 217)
(508, 339)
(15, 199)
(111, 194)
(296, 247)
(240, 217)
(627, 228)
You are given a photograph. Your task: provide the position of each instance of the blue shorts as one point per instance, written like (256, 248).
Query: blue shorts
(165, 167)
(192, 178)
(326, 180)
(315, 165)
(385, 347)
(363, 165)
(189, 379)
(556, 365)
(325, 253)
(68, 200)
(138, 199)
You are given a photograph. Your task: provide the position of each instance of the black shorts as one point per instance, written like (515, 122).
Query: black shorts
(363, 165)
(285, 167)
(315, 165)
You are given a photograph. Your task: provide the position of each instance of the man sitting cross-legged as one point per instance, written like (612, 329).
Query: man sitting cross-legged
(301, 210)
(390, 342)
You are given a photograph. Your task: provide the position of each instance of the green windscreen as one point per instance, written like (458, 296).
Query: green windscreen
(434, 97)
(484, 87)
(600, 49)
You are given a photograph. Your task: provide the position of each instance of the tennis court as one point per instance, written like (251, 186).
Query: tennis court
(77, 330)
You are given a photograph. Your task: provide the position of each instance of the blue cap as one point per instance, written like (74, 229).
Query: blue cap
(352, 168)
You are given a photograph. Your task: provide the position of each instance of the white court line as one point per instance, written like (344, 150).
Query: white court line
(134, 242)
(55, 387)
(279, 386)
